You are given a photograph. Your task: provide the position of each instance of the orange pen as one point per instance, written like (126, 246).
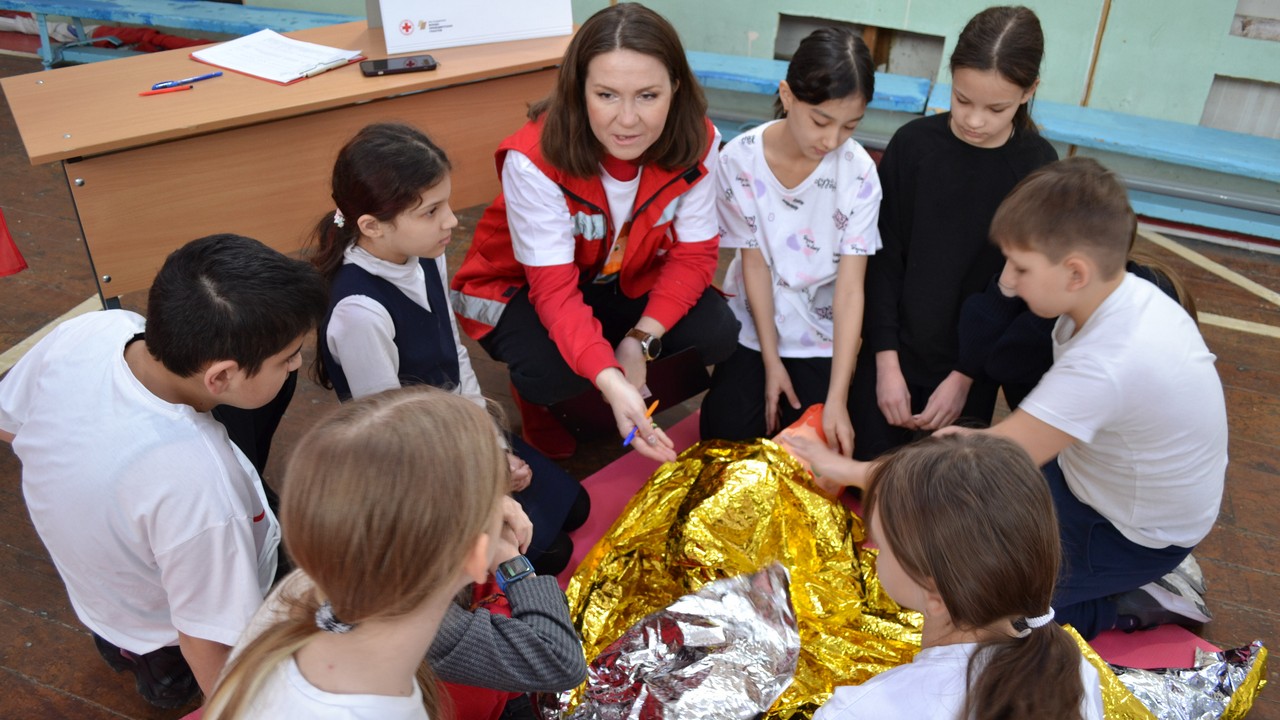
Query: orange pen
(166, 90)
(632, 435)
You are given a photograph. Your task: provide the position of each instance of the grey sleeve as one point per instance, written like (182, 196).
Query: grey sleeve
(534, 650)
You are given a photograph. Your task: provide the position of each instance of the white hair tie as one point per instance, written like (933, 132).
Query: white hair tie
(326, 621)
(339, 219)
(1025, 625)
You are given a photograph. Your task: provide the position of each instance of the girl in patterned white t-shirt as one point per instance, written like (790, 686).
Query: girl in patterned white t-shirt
(800, 199)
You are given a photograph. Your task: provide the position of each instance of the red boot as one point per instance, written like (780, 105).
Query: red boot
(542, 430)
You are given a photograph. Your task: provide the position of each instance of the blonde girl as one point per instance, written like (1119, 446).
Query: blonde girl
(345, 635)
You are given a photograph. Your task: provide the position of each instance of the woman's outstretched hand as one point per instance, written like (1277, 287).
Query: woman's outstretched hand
(629, 412)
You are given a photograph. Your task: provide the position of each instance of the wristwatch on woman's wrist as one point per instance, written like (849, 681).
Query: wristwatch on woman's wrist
(650, 345)
(512, 570)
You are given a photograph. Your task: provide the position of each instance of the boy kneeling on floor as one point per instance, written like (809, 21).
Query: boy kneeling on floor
(1129, 424)
(156, 522)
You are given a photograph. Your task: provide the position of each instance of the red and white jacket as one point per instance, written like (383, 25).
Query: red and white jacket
(673, 273)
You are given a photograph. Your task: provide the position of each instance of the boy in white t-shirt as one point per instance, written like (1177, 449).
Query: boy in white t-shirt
(156, 522)
(1129, 424)
(1130, 420)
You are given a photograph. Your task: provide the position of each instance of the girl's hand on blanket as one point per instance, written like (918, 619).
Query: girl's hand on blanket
(521, 473)
(776, 382)
(892, 396)
(837, 427)
(946, 403)
(629, 411)
(832, 472)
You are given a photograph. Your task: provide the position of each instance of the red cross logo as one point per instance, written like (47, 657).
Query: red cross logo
(410, 63)
(406, 27)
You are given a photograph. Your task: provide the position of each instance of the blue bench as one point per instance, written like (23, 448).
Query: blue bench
(197, 15)
(1175, 143)
(760, 76)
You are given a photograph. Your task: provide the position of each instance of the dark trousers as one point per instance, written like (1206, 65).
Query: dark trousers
(548, 498)
(874, 436)
(1098, 562)
(541, 375)
(734, 406)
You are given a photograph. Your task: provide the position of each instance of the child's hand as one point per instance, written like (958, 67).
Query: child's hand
(892, 396)
(515, 525)
(832, 472)
(837, 427)
(776, 382)
(946, 403)
(521, 473)
(954, 430)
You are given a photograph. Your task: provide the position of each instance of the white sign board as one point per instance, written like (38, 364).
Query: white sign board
(414, 25)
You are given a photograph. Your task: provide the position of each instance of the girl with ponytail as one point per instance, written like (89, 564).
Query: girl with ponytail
(345, 635)
(967, 536)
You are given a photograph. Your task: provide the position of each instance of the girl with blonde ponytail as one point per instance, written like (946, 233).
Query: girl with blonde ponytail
(967, 535)
(345, 635)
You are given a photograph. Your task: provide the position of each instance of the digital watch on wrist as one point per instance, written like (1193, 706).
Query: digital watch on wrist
(512, 570)
(650, 345)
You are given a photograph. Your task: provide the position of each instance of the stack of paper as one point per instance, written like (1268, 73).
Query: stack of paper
(271, 56)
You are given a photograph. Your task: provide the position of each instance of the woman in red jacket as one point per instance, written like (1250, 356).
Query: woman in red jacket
(598, 256)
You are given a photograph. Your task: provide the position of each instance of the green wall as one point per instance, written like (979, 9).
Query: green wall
(1157, 58)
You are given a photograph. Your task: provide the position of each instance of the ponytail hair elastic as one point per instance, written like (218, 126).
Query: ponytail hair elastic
(1025, 625)
(326, 621)
(339, 219)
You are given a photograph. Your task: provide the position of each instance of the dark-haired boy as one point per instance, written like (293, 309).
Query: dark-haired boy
(1130, 421)
(156, 522)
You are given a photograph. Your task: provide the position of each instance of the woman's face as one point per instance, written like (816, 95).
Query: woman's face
(628, 96)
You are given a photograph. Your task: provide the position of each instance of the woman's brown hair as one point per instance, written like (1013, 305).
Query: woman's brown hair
(1007, 39)
(567, 140)
(971, 517)
(382, 501)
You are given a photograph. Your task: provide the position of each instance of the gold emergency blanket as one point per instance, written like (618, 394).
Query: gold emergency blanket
(725, 509)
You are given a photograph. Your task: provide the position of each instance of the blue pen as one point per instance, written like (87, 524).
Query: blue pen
(186, 81)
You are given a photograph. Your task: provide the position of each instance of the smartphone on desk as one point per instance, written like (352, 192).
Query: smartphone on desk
(395, 66)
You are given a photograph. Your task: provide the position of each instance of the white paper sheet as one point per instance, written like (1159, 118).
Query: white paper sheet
(271, 56)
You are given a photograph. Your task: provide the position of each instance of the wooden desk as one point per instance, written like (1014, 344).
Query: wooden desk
(238, 154)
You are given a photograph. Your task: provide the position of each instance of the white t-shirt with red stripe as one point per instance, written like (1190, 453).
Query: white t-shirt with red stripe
(155, 520)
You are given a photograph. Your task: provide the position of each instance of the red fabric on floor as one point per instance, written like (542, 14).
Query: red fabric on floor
(146, 39)
(11, 261)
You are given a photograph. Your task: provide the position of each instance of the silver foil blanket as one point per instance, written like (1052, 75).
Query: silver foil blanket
(1219, 685)
(726, 651)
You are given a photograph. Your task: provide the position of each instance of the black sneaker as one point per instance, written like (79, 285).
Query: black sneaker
(1171, 600)
(162, 676)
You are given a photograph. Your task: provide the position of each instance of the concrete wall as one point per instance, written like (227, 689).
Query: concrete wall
(1157, 58)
